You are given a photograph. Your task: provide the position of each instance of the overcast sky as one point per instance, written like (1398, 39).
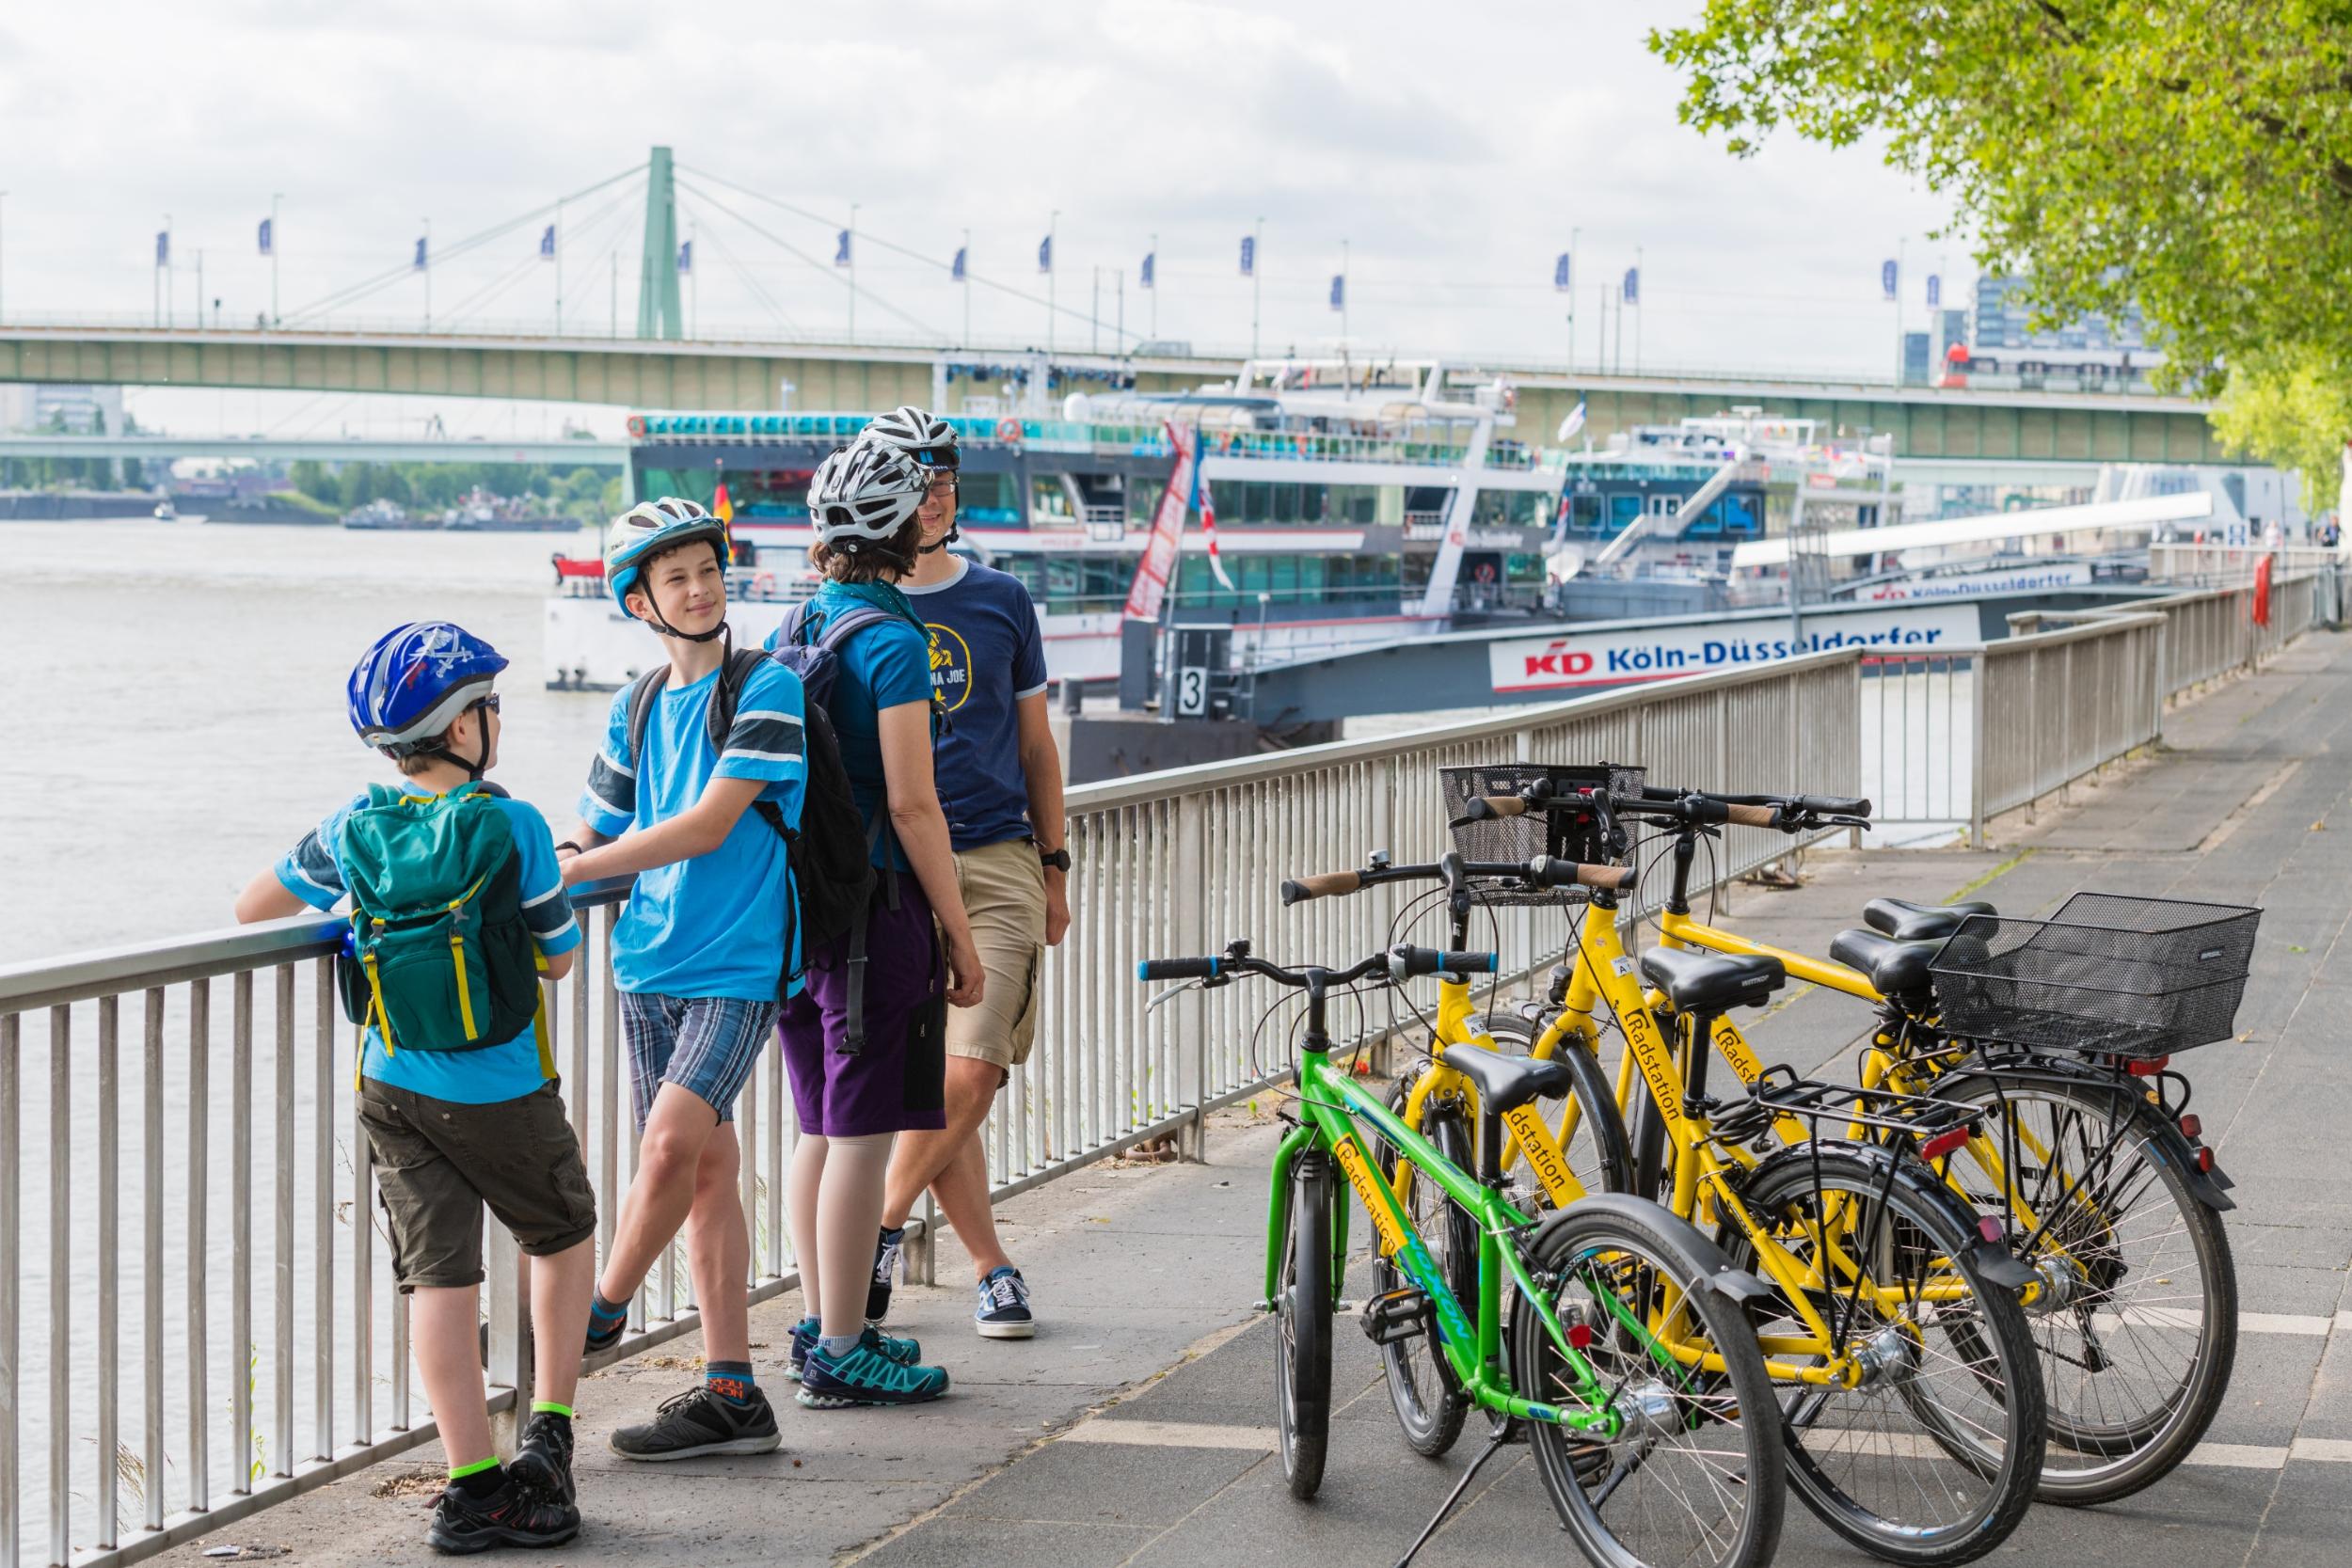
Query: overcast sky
(1455, 149)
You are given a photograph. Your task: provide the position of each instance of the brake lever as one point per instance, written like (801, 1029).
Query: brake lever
(1174, 991)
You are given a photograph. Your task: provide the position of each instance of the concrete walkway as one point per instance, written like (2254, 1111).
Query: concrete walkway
(1136, 1428)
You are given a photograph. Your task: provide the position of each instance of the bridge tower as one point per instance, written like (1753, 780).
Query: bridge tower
(658, 314)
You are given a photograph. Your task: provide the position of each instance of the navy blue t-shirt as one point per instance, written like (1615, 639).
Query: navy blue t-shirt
(986, 655)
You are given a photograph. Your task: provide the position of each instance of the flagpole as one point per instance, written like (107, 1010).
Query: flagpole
(853, 273)
(1155, 285)
(1342, 294)
(1257, 264)
(1638, 312)
(1051, 260)
(559, 267)
(427, 270)
(967, 289)
(693, 288)
(1574, 235)
(275, 198)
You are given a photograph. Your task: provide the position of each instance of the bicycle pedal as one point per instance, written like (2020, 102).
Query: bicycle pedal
(1395, 1315)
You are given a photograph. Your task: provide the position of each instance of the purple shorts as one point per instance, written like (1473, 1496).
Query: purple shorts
(897, 1083)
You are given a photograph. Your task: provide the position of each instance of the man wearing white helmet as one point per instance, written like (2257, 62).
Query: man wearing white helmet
(1000, 782)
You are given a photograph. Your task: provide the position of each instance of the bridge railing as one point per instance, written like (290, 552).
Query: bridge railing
(196, 1313)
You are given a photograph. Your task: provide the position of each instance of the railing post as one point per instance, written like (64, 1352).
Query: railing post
(1980, 667)
(1192, 936)
(510, 1364)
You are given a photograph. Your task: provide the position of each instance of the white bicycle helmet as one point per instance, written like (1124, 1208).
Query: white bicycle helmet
(643, 531)
(865, 493)
(922, 435)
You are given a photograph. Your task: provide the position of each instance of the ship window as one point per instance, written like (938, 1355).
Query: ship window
(987, 500)
(1049, 502)
(1584, 513)
(1623, 511)
(1740, 514)
(1707, 524)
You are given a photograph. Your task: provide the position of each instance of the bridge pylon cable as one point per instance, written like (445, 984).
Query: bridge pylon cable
(1084, 317)
(750, 280)
(778, 239)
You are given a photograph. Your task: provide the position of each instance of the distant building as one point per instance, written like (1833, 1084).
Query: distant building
(41, 405)
(2003, 310)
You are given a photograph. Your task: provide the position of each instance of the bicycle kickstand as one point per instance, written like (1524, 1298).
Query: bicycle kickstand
(1500, 1439)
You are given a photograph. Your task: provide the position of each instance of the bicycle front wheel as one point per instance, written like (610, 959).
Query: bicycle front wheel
(1695, 1473)
(1930, 1458)
(1302, 1311)
(2136, 1312)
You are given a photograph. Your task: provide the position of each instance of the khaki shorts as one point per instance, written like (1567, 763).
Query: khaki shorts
(438, 1161)
(1004, 898)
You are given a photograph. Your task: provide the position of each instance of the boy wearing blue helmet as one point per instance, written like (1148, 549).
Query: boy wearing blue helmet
(696, 787)
(461, 1108)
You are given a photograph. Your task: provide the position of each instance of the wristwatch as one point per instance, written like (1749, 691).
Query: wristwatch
(1057, 859)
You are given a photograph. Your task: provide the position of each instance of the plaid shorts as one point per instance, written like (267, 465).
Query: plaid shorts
(706, 1045)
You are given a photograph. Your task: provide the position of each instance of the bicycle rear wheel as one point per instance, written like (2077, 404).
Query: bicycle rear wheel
(1694, 1474)
(1430, 1404)
(2135, 1318)
(1302, 1329)
(1931, 1458)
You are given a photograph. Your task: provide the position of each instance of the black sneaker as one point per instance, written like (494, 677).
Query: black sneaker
(696, 1422)
(513, 1515)
(544, 1457)
(885, 1264)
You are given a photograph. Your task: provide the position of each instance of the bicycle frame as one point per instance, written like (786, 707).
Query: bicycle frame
(1331, 1104)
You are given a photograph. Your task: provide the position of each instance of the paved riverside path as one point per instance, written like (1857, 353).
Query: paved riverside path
(1136, 1429)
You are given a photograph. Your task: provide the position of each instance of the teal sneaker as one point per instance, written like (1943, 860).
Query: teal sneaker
(906, 1353)
(865, 1376)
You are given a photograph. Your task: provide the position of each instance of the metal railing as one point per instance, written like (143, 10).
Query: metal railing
(219, 1333)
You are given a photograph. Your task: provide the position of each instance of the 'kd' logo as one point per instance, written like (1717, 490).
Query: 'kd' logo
(1558, 660)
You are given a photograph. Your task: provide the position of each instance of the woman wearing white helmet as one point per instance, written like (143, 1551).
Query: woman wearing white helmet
(853, 1099)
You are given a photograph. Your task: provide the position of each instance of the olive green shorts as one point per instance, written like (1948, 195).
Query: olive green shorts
(438, 1161)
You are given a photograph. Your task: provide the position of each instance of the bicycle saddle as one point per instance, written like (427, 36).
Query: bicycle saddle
(1905, 920)
(1895, 968)
(1711, 982)
(1507, 1082)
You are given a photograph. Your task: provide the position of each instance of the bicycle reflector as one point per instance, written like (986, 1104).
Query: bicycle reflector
(1990, 1229)
(1580, 1335)
(1943, 1144)
(2147, 1067)
(2192, 1125)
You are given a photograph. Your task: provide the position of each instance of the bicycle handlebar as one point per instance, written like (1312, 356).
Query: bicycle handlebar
(1325, 884)
(1543, 872)
(1786, 814)
(1177, 969)
(1402, 962)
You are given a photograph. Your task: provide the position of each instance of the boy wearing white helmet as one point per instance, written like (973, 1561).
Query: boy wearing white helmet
(701, 954)
(864, 1042)
(1000, 782)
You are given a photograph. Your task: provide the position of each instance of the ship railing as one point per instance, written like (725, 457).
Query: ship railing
(196, 1313)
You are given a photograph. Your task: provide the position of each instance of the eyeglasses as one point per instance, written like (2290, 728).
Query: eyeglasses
(941, 485)
(491, 702)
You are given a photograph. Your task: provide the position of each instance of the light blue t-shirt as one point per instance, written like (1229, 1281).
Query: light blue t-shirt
(715, 925)
(312, 872)
(884, 666)
(986, 657)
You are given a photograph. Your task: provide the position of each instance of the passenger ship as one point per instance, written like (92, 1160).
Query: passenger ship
(1353, 504)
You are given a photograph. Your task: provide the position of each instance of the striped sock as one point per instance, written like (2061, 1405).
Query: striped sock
(606, 1319)
(731, 1381)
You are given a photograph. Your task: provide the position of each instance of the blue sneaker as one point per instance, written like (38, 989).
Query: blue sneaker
(865, 1376)
(906, 1353)
(1004, 1310)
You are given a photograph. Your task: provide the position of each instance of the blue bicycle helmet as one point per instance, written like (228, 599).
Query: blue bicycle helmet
(415, 682)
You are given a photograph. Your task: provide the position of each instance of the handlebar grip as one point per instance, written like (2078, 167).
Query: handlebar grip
(1326, 884)
(1407, 961)
(1753, 817)
(1485, 808)
(1176, 969)
(1547, 872)
(1831, 805)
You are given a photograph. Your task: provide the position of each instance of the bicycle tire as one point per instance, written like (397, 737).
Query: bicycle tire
(2099, 1451)
(1739, 1461)
(1609, 1168)
(1984, 1415)
(1302, 1329)
(1430, 1404)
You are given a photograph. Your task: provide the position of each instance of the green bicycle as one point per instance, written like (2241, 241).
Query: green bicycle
(1647, 1457)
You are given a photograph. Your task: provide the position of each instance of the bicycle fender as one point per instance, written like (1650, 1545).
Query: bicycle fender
(2210, 1188)
(1998, 1265)
(1698, 1254)
(1993, 1263)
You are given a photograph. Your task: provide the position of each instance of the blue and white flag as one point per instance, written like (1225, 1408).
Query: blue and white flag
(686, 257)
(419, 265)
(1574, 422)
(1935, 290)
(1339, 290)
(547, 244)
(841, 248)
(1045, 254)
(1248, 255)
(1151, 267)
(1887, 280)
(162, 247)
(268, 237)
(1634, 285)
(1560, 272)
(955, 268)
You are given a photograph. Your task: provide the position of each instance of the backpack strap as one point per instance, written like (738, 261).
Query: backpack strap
(640, 711)
(734, 675)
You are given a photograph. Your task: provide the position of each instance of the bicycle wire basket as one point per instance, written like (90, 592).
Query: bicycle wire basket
(2107, 974)
(1568, 834)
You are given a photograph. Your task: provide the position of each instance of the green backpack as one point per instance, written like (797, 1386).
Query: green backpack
(440, 958)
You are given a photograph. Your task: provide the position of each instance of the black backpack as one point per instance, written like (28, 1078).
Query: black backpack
(830, 857)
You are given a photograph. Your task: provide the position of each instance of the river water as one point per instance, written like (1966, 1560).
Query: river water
(172, 695)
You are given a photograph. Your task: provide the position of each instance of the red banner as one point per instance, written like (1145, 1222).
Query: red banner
(1168, 526)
